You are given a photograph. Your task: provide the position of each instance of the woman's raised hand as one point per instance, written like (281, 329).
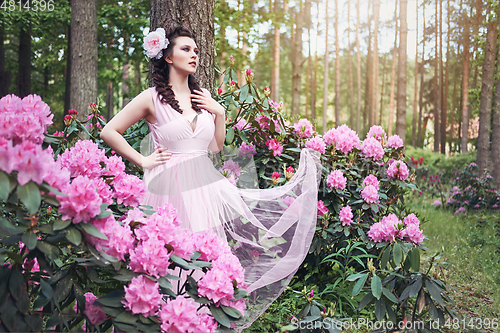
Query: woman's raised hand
(160, 156)
(205, 101)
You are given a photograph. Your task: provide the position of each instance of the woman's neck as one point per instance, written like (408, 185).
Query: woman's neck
(179, 83)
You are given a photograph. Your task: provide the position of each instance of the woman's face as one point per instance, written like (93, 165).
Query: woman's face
(184, 57)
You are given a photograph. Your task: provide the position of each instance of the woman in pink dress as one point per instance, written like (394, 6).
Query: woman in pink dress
(270, 230)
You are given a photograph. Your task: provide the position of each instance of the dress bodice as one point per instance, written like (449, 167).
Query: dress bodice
(173, 130)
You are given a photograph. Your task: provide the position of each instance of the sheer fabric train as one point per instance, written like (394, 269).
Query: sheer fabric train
(270, 238)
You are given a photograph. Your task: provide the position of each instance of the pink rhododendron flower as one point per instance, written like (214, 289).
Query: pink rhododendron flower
(346, 215)
(134, 215)
(231, 266)
(411, 219)
(377, 132)
(460, 210)
(155, 42)
(247, 150)
(413, 233)
(330, 136)
(104, 190)
(216, 285)
(121, 241)
(398, 170)
(437, 203)
(83, 201)
(5, 151)
(232, 166)
(385, 230)
(275, 146)
(142, 296)
(83, 159)
(150, 257)
(30, 161)
(115, 166)
(346, 139)
(93, 312)
(317, 144)
(209, 245)
(129, 190)
(180, 315)
(394, 141)
(322, 209)
(336, 180)
(303, 128)
(371, 180)
(241, 124)
(106, 226)
(56, 175)
(288, 200)
(370, 194)
(371, 147)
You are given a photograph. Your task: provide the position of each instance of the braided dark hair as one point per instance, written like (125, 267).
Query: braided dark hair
(161, 71)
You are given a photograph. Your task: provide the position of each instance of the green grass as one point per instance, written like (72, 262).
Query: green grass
(470, 249)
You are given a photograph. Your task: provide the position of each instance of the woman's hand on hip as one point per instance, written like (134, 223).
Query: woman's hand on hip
(205, 101)
(160, 156)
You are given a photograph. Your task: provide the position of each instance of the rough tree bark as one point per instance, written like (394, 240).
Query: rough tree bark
(437, 87)
(420, 142)
(374, 74)
(465, 84)
(84, 57)
(444, 117)
(483, 140)
(5, 76)
(402, 63)
(275, 72)
(495, 135)
(325, 81)
(415, 84)
(393, 71)
(337, 66)
(351, 88)
(24, 61)
(198, 16)
(358, 66)
(297, 60)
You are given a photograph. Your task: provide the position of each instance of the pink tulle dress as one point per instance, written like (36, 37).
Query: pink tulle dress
(270, 229)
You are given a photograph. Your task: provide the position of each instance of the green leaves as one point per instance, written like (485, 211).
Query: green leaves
(30, 196)
(376, 286)
(29, 238)
(359, 285)
(398, 254)
(4, 186)
(92, 230)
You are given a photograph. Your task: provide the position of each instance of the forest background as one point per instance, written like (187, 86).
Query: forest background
(333, 62)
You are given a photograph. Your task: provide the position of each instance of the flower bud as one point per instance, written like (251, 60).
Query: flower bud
(231, 61)
(267, 91)
(72, 113)
(219, 91)
(311, 293)
(232, 85)
(280, 106)
(93, 107)
(289, 172)
(68, 120)
(249, 75)
(49, 210)
(369, 264)
(276, 177)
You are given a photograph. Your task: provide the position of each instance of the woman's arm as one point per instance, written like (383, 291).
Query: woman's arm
(208, 103)
(140, 107)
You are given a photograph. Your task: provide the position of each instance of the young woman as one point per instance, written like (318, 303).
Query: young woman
(271, 229)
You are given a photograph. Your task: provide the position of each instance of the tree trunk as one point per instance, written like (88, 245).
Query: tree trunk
(452, 113)
(402, 63)
(483, 140)
(109, 100)
(325, 81)
(437, 87)
(199, 17)
(315, 77)
(297, 59)
(421, 133)
(84, 57)
(24, 61)
(415, 83)
(393, 71)
(368, 88)
(382, 92)
(67, 90)
(358, 66)
(125, 75)
(444, 117)
(351, 87)
(374, 68)
(495, 136)
(275, 73)
(337, 66)
(442, 105)
(5, 76)
(465, 84)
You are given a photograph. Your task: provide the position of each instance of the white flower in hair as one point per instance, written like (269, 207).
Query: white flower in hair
(155, 42)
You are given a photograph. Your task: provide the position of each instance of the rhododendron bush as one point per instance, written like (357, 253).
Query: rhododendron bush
(360, 207)
(78, 250)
